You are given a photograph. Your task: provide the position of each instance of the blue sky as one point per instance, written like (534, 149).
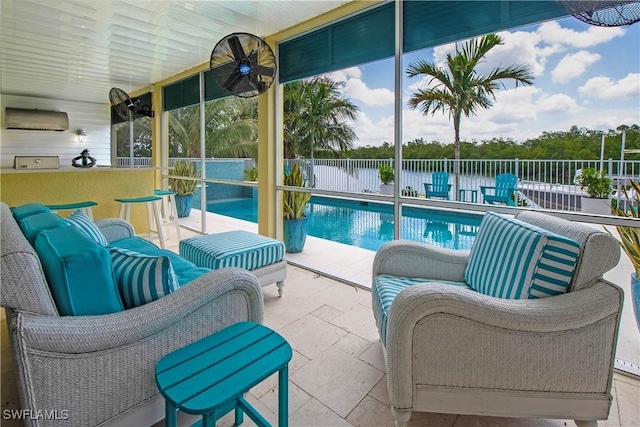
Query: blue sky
(585, 75)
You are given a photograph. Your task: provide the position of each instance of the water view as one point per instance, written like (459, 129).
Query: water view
(369, 225)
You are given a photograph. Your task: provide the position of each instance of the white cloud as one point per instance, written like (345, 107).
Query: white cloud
(573, 65)
(553, 33)
(344, 75)
(357, 89)
(557, 103)
(519, 47)
(370, 133)
(512, 106)
(605, 88)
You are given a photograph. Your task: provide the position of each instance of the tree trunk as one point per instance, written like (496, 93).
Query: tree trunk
(456, 162)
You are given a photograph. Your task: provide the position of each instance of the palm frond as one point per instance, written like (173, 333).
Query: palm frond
(630, 236)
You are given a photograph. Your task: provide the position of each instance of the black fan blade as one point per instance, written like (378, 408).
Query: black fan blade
(236, 48)
(232, 81)
(262, 70)
(257, 85)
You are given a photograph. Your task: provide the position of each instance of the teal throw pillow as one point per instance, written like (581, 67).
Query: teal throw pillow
(34, 224)
(82, 221)
(78, 271)
(512, 259)
(28, 209)
(142, 278)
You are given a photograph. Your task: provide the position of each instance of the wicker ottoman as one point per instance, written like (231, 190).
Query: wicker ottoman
(261, 255)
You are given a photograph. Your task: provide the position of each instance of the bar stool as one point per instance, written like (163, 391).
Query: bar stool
(169, 214)
(84, 206)
(152, 209)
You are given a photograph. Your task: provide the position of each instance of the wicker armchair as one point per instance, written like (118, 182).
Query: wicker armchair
(99, 370)
(450, 349)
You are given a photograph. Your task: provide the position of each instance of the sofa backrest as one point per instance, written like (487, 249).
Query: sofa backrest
(24, 286)
(599, 251)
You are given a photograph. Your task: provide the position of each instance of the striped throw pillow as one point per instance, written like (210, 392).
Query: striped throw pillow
(142, 278)
(512, 259)
(557, 263)
(82, 221)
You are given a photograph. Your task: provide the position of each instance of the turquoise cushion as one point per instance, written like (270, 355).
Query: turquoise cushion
(145, 247)
(384, 290)
(142, 278)
(185, 271)
(187, 276)
(82, 221)
(78, 271)
(512, 259)
(23, 211)
(34, 224)
(232, 249)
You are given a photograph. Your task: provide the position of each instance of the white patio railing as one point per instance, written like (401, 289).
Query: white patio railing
(545, 183)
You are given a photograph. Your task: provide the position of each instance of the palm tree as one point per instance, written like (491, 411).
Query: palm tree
(315, 115)
(460, 89)
(230, 129)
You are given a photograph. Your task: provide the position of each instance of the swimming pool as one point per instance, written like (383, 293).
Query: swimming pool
(369, 225)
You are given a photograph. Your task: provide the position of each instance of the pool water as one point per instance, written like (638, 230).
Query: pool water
(369, 225)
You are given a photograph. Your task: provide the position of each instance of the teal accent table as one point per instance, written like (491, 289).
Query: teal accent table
(462, 195)
(210, 376)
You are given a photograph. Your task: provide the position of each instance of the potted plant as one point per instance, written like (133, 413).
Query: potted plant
(387, 176)
(630, 243)
(251, 174)
(185, 189)
(295, 224)
(598, 187)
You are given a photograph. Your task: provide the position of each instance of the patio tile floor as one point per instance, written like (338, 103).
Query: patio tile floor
(337, 376)
(314, 305)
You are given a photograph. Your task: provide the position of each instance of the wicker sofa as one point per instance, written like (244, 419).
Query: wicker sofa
(99, 370)
(451, 349)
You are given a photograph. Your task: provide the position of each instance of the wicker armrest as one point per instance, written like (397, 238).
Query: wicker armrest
(411, 259)
(115, 229)
(558, 313)
(83, 334)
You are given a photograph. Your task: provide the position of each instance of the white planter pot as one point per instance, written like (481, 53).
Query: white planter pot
(596, 206)
(386, 189)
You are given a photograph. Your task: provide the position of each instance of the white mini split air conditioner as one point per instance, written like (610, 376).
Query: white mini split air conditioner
(19, 118)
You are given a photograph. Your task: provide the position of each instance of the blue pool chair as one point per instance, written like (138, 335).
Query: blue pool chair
(439, 187)
(503, 192)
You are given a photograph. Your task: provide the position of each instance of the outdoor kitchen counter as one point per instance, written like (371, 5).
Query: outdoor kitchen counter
(4, 171)
(71, 185)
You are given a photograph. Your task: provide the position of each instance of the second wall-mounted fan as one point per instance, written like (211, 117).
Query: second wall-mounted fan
(243, 64)
(126, 107)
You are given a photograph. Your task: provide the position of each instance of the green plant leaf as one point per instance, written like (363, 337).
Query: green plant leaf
(184, 168)
(630, 236)
(294, 201)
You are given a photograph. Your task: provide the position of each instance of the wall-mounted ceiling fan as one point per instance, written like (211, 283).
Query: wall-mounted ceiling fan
(126, 107)
(243, 64)
(604, 13)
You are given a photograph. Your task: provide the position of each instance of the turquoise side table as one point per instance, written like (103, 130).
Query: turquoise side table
(462, 195)
(210, 376)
